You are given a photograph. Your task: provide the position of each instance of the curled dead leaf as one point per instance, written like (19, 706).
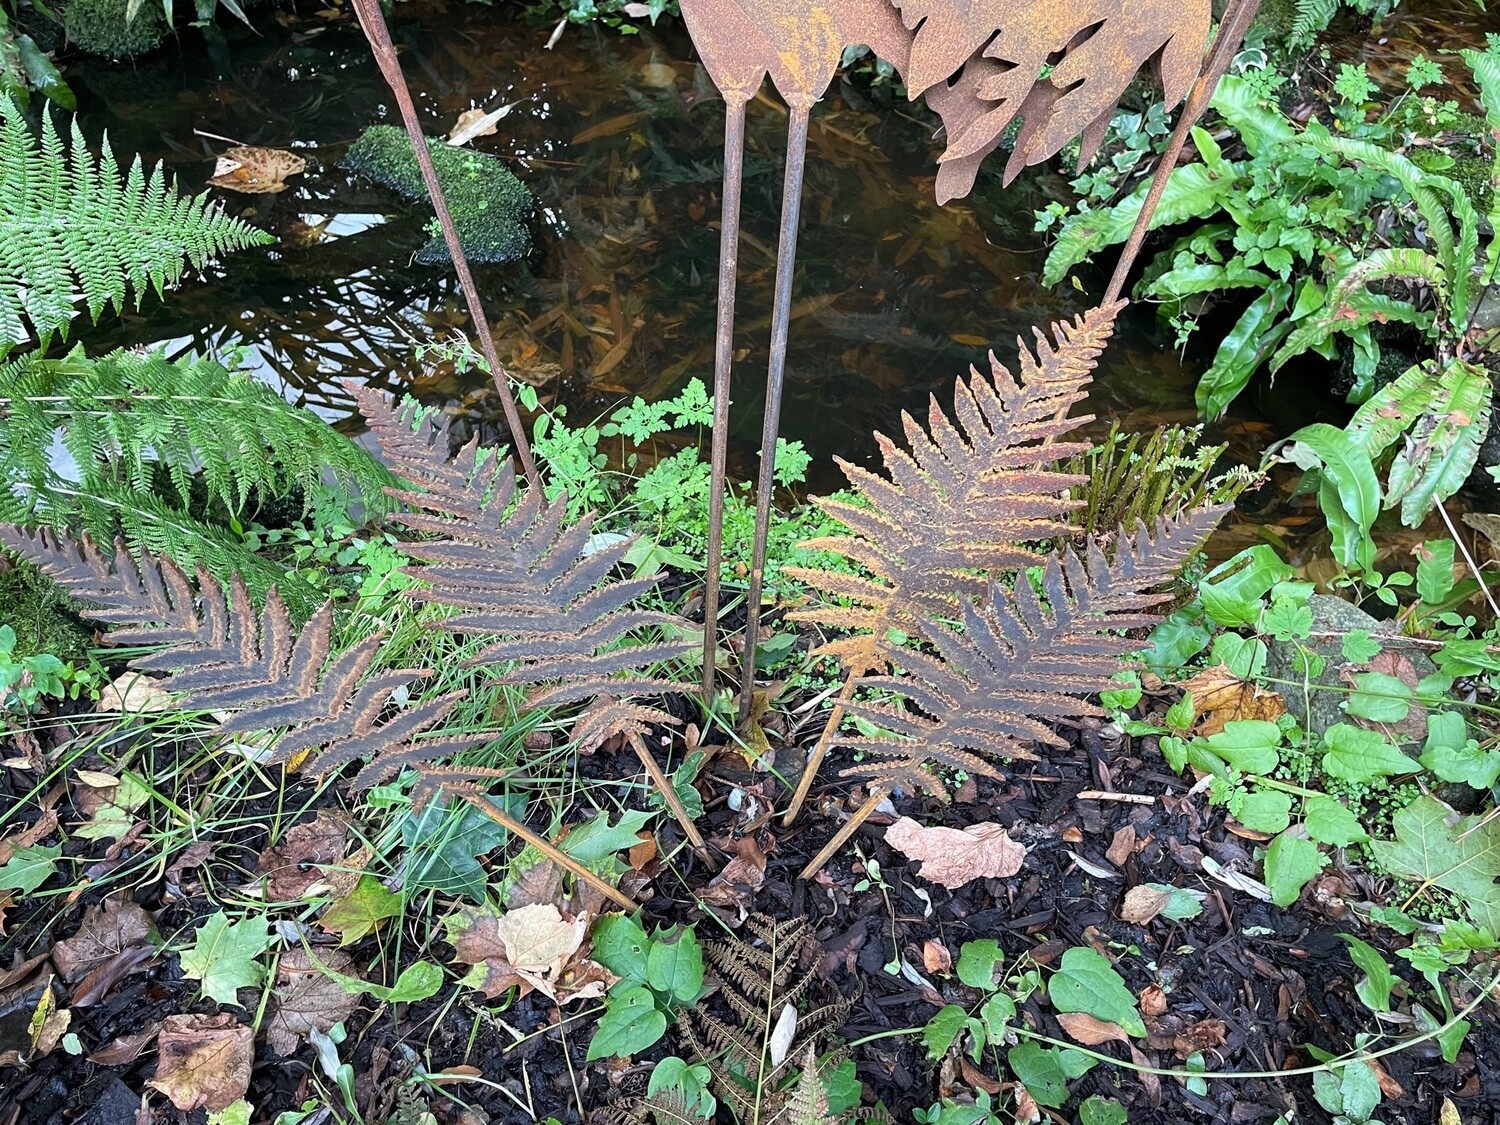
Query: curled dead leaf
(953, 857)
(1222, 697)
(935, 956)
(204, 1061)
(109, 929)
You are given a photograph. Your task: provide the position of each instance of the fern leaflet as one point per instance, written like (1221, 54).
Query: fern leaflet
(71, 226)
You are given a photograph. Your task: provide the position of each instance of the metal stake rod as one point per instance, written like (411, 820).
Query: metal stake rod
(372, 23)
(729, 253)
(781, 312)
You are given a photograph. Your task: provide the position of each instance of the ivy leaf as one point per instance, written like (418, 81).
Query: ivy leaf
(360, 912)
(977, 961)
(1379, 698)
(1086, 982)
(942, 1029)
(1438, 848)
(1045, 1071)
(223, 956)
(630, 1024)
(28, 868)
(595, 841)
(443, 843)
(1359, 647)
(1362, 755)
(1291, 862)
(1329, 821)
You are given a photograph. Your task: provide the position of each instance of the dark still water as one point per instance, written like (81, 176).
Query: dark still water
(619, 138)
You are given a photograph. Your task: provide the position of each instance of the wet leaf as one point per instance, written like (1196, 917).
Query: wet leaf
(256, 171)
(362, 911)
(108, 929)
(953, 857)
(28, 868)
(204, 1061)
(224, 956)
(1146, 901)
(1086, 982)
(306, 999)
(294, 866)
(126, 1048)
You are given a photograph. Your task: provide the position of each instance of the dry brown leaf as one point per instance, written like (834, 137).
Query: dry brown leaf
(1142, 904)
(473, 123)
(1090, 1030)
(204, 1061)
(1153, 1001)
(530, 947)
(1222, 697)
(256, 171)
(540, 883)
(19, 970)
(126, 1048)
(1122, 847)
(109, 929)
(45, 825)
(292, 868)
(1026, 1108)
(133, 693)
(935, 956)
(953, 857)
(306, 998)
(735, 885)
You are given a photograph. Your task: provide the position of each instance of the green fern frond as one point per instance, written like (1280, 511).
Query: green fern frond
(71, 227)
(150, 440)
(1311, 20)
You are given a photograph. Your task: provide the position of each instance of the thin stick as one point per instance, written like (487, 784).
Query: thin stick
(504, 819)
(781, 315)
(861, 814)
(372, 22)
(820, 751)
(729, 255)
(1463, 549)
(1127, 798)
(1232, 30)
(667, 790)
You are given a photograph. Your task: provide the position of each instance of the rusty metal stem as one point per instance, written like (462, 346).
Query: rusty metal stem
(781, 314)
(729, 253)
(372, 22)
(1232, 31)
(841, 837)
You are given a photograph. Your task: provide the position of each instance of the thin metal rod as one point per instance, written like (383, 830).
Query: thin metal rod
(781, 315)
(841, 837)
(372, 22)
(729, 254)
(1232, 31)
(668, 791)
(562, 859)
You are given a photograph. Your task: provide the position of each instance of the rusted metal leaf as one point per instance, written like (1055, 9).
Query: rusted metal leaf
(997, 55)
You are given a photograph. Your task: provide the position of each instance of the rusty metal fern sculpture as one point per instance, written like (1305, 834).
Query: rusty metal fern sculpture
(983, 691)
(512, 568)
(268, 674)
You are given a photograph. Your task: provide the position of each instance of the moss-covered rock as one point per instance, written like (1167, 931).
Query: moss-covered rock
(491, 208)
(100, 28)
(41, 615)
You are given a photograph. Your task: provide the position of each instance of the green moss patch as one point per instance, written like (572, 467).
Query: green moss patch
(41, 615)
(491, 208)
(100, 28)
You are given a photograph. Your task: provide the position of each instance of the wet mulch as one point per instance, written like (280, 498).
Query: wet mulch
(1247, 986)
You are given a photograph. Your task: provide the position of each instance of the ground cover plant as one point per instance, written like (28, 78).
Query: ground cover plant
(404, 805)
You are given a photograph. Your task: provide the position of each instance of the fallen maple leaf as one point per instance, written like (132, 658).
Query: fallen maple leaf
(953, 857)
(531, 947)
(204, 1061)
(256, 171)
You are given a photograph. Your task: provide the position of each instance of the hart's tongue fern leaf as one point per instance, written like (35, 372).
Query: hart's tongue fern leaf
(73, 226)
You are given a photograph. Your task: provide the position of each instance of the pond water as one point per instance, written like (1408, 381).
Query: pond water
(619, 138)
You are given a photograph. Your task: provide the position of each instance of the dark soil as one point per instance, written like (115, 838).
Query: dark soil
(1250, 986)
